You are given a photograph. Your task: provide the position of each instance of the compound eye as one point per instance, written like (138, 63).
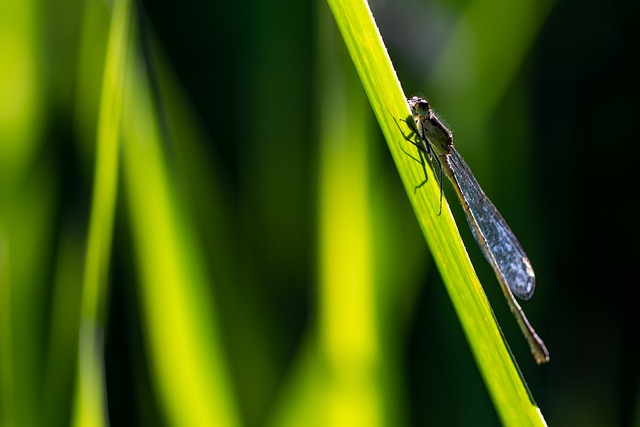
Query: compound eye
(422, 108)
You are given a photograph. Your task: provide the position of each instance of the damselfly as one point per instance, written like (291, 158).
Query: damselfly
(495, 238)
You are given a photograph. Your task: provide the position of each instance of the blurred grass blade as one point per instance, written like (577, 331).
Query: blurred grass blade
(346, 350)
(28, 196)
(349, 335)
(185, 350)
(90, 405)
(61, 350)
(495, 60)
(501, 376)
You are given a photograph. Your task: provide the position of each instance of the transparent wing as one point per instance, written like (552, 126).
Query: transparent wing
(497, 241)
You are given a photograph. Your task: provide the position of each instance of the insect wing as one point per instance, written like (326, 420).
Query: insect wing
(497, 241)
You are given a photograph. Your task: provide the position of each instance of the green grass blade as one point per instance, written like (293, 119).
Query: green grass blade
(28, 195)
(349, 333)
(90, 404)
(377, 75)
(339, 377)
(185, 348)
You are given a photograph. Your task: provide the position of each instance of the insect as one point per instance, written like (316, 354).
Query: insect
(496, 240)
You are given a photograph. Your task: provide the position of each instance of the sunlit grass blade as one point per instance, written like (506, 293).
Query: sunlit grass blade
(90, 404)
(501, 376)
(186, 355)
(349, 335)
(337, 378)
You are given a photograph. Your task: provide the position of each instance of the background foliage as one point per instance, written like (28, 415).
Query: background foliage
(248, 176)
